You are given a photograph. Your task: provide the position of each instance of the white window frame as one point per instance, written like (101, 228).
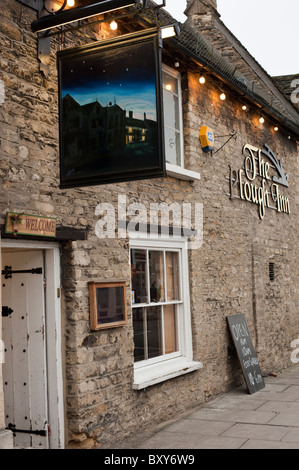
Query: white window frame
(155, 370)
(179, 171)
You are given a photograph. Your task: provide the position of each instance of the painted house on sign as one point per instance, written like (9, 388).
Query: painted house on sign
(117, 320)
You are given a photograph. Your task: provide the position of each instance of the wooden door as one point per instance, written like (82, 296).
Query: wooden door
(24, 370)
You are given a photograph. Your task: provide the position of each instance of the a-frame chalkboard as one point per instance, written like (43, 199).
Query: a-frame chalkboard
(246, 353)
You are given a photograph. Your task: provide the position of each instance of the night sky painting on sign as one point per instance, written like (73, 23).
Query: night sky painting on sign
(110, 112)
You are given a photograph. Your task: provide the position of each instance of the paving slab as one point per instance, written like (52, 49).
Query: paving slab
(230, 402)
(254, 444)
(286, 419)
(292, 436)
(238, 415)
(169, 440)
(280, 406)
(257, 431)
(199, 426)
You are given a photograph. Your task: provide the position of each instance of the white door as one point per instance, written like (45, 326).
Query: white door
(24, 336)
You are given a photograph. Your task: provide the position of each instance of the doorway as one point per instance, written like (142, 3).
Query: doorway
(31, 332)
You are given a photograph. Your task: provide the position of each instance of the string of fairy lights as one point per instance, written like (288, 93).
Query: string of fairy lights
(244, 107)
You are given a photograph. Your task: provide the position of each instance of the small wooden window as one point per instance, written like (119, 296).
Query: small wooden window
(107, 303)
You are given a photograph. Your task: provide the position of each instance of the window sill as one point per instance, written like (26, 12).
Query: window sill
(181, 173)
(160, 372)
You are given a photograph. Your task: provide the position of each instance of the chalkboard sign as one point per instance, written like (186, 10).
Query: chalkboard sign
(246, 353)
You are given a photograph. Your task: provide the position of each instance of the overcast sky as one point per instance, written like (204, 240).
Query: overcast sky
(269, 29)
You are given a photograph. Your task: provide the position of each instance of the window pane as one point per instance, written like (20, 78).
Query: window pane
(154, 342)
(170, 83)
(138, 326)
(156, 276)
(139, 276)
(172, 276)
(173, 146)
(170, 329)
(170, 109)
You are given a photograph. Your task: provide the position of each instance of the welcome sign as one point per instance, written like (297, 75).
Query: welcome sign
(261, 181)
(26, 224)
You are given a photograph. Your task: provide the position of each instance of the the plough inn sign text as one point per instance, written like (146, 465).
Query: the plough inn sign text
(261, 181)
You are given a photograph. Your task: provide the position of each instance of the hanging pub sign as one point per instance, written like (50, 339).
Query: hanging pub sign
(261, 181)
(111, 111)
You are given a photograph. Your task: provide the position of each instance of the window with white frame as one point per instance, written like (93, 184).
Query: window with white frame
(173, 121)
(173, 126)
(161, 310)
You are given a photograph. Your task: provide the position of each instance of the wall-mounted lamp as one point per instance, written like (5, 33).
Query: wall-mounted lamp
(244, 107)
(202, 79)
(223, 96)
(262, 120)
(52, 7)
(276, 129)
(64, 17)
(170, 31)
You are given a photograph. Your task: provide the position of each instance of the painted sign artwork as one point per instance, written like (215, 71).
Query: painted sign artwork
(110, 112)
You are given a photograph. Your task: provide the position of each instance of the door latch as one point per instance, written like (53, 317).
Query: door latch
(12, 427)
(6, 311)
(7, 272)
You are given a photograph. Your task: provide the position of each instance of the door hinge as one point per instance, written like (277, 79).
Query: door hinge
(7, 272)
(58, 292)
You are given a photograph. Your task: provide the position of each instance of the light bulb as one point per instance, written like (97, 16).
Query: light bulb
(168, 87)
(70, 3)
(244, 107)
(276, 129)
(202, 80)
(262, 120)
(223, 96)
(113, 25)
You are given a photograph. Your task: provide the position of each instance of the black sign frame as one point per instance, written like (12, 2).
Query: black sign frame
(101, 141)
(246, 353)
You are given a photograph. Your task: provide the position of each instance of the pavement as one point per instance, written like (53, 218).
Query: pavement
(268, 419)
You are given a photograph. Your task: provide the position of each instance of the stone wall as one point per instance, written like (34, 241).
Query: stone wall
(229, 274)
(289, 86)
